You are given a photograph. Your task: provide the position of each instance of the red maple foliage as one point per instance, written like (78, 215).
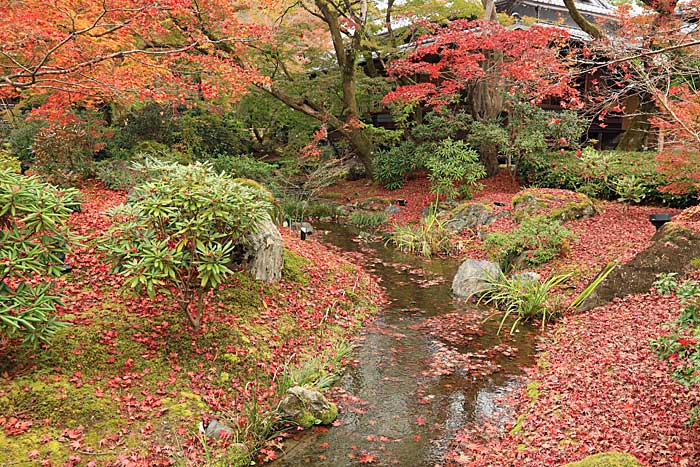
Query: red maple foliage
(88, 51)
(450, 58)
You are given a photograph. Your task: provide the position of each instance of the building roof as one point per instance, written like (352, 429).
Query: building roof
(598, 8)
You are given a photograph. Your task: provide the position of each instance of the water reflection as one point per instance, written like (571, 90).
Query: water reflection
(401, 404)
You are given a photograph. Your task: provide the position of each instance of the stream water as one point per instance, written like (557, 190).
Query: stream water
(425, 367)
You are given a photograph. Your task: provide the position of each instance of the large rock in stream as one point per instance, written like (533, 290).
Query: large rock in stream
(307, 407)
(263, 255)
(607, 459)
(675, 248)
(472, 277)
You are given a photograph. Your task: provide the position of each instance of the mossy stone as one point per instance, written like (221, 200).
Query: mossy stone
(607, 459)
(562, 206)
(307, 407)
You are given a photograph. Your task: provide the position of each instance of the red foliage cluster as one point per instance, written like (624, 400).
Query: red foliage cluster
(689, 218)
(105, 51)
(453, 57)
(602, 388)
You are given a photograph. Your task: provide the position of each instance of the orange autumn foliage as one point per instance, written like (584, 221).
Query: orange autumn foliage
(165, 50)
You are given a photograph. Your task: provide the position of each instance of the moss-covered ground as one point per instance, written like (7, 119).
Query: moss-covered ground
(128, 382)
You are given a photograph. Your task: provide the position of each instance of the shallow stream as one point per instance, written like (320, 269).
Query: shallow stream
(425, 367)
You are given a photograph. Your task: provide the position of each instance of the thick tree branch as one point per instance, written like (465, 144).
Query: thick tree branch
(585, 25)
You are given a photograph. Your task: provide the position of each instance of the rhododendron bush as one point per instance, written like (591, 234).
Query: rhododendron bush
(180, 229)
(33, 237)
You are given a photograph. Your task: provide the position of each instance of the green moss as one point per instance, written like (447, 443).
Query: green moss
(329, 416)
(607, 459)
(673, 231)
(347, 267)
(572, 210)
(14, 449)
(518, 426)
(533, 391)
(187, 406)
(294, 269)
(535, 201)
(468, 205)
(306, 419)
(695, 263)
(244, 292)
(59, 401)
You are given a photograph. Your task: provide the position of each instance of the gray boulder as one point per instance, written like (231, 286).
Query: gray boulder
(472, 277)
(218, 430)
(263, 257)
(307, 407)
(391, 210)
(470, 216)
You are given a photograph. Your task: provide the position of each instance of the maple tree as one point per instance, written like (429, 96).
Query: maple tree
(126, 50)
(456, 64)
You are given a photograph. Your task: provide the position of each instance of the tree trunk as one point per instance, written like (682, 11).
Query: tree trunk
(487, 103)
(635, 137)
(362, 147)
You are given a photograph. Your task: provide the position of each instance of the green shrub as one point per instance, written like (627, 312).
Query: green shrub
(630, 189)
(149, 122)
(178, 231)
(244, 166)
(436, 126)
(428, 238)
(33, 235)
(523, 298)
(597, 174)
(368, 219)
(296, 209)
(64, 152)
(666, 283)
(537, 240)
(454, 168)
(391, 167)
(9, 162)
(681, 346)
(117, 174)
(206, 134)
(21, 139)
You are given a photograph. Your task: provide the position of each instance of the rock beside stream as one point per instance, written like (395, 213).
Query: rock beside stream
(675, 247)
(307, 407)
(560, 205)
(472, 277)
(470, 215)
(607, 459)
(263, 255)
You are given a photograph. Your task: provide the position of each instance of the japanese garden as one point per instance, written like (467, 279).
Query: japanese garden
(410, 233)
